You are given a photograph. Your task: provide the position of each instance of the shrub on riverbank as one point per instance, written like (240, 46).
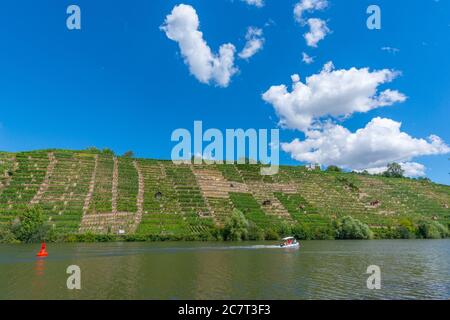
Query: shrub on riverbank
(406, 230)
(31, 227)
(6, 236)
(28, 227)
(236, 227)
(350, 228)
(432, 230)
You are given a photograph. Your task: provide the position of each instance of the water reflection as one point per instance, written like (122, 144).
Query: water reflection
(38, 280)
(39, 267)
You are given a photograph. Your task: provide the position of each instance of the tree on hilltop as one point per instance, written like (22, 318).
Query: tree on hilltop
(129, 154)
(394, 170)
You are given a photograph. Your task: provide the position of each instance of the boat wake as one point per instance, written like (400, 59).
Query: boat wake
(249, 247)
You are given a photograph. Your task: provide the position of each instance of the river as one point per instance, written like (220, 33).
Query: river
(410, 269)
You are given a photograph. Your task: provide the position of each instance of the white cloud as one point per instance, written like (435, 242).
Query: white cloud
(182, 26)
(380, 142)
(412, 169)
(318, 28)
(306, 58)
(295, 78)
(317, 31)
(308, 5)
(331, 92)
(256, 3)
(255, 42)
(391, 50)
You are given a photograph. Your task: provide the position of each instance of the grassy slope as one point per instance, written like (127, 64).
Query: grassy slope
(182, 209)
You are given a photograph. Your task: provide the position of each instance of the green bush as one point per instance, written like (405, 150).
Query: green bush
(350, 228)
(301, 232)
(394, 170)
(334, 169)
(406, 230)
(271, 234)
(432, 230)
(322, 233)
(30, 226)
(128, 154)
(254, 232)
(6, 235)
(108, 152)
(347, 182)
(236, 227)
(284, 230)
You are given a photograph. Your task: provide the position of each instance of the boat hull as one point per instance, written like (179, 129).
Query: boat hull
(294, 245)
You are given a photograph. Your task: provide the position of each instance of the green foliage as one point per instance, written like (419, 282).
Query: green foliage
(236, 227)
(347, 182)
(92, 150)
(302, 232)
(406, 229)
(254, 232)
(6, 235)
(333, 169)
(108, 152)
(28, 227)
(184, 212)
(129, 154)
(432, 230)
(271, 234)
(323, 232)
(350, 228)
(284, 229)
(394, 170)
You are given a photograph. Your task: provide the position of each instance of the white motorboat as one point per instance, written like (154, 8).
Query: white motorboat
(290, 242)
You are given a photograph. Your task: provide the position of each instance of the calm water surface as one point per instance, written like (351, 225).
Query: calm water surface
(411, 269)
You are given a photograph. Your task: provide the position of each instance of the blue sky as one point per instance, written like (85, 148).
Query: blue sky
(120, 82)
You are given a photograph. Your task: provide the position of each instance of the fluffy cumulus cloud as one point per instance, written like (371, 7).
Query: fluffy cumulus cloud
(182, 26)
(318, 28)
(380, 142)
(411, 169)
(256, 3)
(306, 58)
(317, 31)
(335, 93)
(308, 6)
(255, 42)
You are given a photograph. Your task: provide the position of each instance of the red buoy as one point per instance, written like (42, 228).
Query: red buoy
(43, 252)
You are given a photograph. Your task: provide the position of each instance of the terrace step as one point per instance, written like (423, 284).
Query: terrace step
(140, 197)
(263, 193)
(88, 199)
(108, 223)
(44, 186)
(115, 183)
(6, 177)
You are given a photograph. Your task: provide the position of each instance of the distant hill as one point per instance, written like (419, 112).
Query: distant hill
(91, 192)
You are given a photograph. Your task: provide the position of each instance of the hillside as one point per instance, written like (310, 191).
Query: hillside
(85, 192)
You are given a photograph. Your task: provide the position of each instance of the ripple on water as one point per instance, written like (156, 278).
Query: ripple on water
(319, 270)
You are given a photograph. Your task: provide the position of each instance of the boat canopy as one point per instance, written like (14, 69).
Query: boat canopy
(288, 238)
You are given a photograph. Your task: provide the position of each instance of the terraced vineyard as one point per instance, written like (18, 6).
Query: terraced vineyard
(89, 192)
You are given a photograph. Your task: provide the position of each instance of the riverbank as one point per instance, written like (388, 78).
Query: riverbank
(236, 229)
(103, 238)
